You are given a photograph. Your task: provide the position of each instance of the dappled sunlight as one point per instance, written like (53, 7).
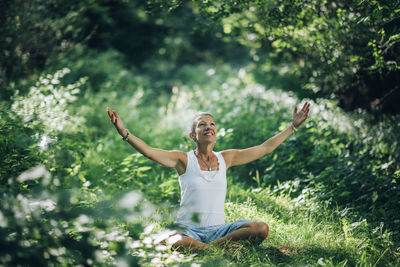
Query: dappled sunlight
(74, 193)
(35, 173)
(299, 233)
(107, 238)
(44, 142)
(130, 199)
(188, 100)
(179, 112)
(325, 110)
(123, 192)
(47, 101)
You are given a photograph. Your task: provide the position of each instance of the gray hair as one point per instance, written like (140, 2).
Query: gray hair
(196, 117)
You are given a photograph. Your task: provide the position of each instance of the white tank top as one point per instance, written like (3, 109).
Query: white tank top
(202, 193)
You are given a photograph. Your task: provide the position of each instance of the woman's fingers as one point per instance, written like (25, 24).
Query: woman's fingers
(301, 116)
(305, 106)
(116, 114)
(305, 109)
(111, 115)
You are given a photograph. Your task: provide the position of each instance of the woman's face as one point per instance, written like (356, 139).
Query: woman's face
(206, 130)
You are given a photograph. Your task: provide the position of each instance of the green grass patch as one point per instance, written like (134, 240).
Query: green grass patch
(298, 236)
(329, 193)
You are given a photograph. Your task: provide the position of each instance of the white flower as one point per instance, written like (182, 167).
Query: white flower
(3, 222)
(161, 248)
(321, 261)
(83, 219)
(210, 72)
(87, 184)
(129, 200)
(135, 244)
(48, 205)
(173, 239)
(147, 241)
(34, 173)
(148, 229)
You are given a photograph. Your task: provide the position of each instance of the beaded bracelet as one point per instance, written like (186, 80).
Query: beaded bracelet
(127, 135)
(293, 127)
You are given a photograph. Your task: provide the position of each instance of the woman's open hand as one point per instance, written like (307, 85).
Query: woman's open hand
(299, 117)
(115, 119)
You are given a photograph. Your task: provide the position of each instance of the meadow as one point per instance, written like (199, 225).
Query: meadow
(73, 193)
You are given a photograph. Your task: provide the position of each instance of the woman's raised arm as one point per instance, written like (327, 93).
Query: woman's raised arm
(173, 159)
(234, 157)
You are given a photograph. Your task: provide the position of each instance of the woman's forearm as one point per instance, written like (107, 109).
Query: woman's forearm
(234, 157)
(160, 156)
(139, 145)
(273, 142)
(163, 157)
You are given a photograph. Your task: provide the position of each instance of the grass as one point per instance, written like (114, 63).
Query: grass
(301, 234)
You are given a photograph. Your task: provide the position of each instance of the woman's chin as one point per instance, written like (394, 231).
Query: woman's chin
(208, 141)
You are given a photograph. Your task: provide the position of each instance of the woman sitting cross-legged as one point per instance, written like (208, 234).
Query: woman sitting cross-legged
(202, 178)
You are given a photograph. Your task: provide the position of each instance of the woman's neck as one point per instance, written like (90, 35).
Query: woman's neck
(205, 151)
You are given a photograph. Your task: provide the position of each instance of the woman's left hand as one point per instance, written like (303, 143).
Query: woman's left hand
(115, 119)
(299, 117)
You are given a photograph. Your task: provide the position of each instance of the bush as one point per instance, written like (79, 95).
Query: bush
(88, 199)
(51, 212)
(337, 158)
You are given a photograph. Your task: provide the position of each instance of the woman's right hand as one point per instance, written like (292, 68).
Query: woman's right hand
(115, 119)
(173, 159)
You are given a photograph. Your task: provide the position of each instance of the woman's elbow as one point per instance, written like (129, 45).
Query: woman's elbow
(267, 149)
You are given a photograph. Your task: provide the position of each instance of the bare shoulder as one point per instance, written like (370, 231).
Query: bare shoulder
(180, 155)
(181, 161)
(229, 153)
(228, 156)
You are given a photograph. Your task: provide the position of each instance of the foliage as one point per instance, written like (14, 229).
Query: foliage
(33, 31)
(89, 190)
(18, 149)
(346, 51)
(73, 193)
(39, 34)
(56, 226)
(332, 157)
(50, 212)
(46, 103)
(304, 232)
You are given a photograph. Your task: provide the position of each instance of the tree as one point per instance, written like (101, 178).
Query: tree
(33, 31)
(346, 51)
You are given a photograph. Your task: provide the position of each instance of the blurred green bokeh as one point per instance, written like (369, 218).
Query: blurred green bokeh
(73, 193)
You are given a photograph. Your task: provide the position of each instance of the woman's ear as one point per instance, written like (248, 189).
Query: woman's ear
(192, 136)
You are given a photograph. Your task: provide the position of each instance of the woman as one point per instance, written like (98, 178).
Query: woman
(202, 178)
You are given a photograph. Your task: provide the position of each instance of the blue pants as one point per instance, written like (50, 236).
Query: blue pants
(207, 234)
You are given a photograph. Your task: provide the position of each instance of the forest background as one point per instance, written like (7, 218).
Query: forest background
(72, 192)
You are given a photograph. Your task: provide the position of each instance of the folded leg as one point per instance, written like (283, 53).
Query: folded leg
(253, 231)
(188, 242)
